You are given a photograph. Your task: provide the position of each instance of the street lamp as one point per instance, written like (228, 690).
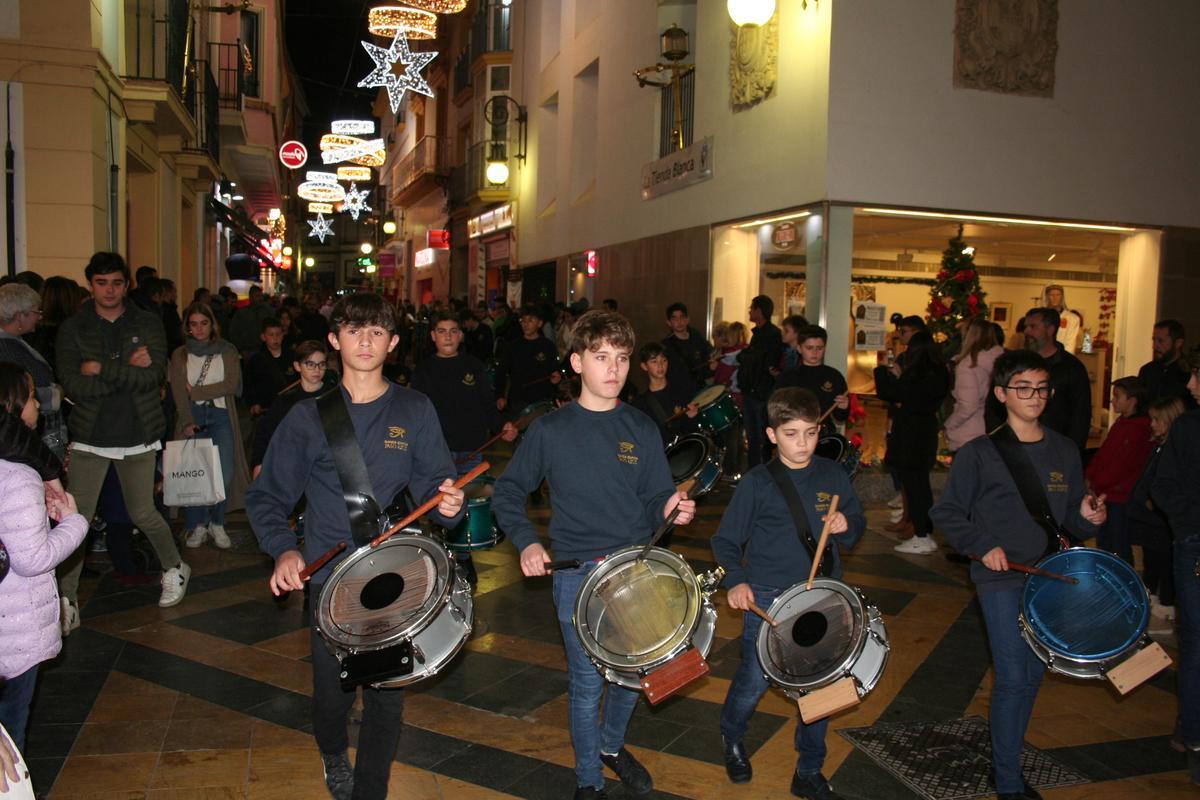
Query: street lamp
(366, 248)
(750, 12)
(674, 48)
(495, 114)
(310, 262)
(389, 227)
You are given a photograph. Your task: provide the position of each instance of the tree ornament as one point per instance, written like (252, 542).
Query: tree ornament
(384, 75)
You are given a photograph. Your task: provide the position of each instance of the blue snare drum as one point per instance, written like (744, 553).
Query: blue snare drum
(718, 411)
(694, 456)
(477, 530)
(1085, 629)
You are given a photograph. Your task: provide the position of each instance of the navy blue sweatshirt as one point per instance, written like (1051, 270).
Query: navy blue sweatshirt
(822, 380)
(981, 508)
(462, 395)
(523, 372)
(402, 445)
(757, 541)
(608, 476)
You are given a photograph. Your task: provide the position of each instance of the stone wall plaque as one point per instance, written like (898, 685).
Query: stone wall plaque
(1006, 46)
(753, 63)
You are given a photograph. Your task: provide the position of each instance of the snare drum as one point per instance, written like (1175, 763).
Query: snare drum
(534, 410)
(634, 615)
(718, 411)
(837, 448)
(825, 633)
(396, 613)
(1084, 629)
(693, 456)
(477, 530)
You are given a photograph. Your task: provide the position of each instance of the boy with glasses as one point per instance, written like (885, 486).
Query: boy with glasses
(310, 361)
(976, 515)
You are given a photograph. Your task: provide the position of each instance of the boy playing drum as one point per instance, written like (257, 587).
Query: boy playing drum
(976, 515)
(763, 553)
(610, 487)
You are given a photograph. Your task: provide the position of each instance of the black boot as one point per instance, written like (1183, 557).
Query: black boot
(737, 762)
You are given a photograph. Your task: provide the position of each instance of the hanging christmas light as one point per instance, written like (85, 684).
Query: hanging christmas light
(353, 127)
(336, 148)
(439, 6)
(321, 187)
(320, 208)
(384, 75)
(390, 20)
(356, 201)
(321, 228)
(354, 174)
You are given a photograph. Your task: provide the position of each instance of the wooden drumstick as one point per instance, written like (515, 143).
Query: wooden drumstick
(812, 575)
(1044, 573)
(821, 419)
(479, 449)
(430, 504)
(766, 617)
(321, 561)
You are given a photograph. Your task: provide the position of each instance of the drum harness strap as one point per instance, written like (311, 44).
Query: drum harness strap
(796, 506)
(659, 412)
(361, 506)
(1033, 494)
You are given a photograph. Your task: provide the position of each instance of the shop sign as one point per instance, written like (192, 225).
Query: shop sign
(784, 236)
(293, 154)
(387, 265)
(438, 239)
(497, 219)
(678, 170)
(498, 250)
(870, 326)
(424, 258)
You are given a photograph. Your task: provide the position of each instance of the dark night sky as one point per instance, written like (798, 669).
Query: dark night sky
(323, 42)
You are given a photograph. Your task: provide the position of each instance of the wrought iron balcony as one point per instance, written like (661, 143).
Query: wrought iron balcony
(156, 39)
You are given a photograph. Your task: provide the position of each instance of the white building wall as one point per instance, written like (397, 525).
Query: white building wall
(1115, 142)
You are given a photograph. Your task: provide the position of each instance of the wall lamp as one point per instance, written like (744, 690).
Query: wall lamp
(496, 114)
(750, 12)
(674, 49)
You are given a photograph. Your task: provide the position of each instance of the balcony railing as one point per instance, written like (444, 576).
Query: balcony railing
(231, 74)
(156, 42)
(206, 111)
(427, 158)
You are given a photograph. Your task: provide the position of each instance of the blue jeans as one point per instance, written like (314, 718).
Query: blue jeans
(1018, 675)
(748, 686)
(218, 428)
(1113, 535)
(16, 695)
(1187, 615)
(590, 735)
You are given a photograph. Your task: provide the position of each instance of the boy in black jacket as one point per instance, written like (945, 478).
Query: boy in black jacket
(610, 487)
(662, 400)
(758, 547)
(528, 368)
(980, 515)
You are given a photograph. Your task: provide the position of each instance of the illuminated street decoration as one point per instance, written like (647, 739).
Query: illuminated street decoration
(390, 20)
(321, 191)
(384, 75)
(356, 201)
(320, 208)
(439, 6)
(354, 174)
(336, 148)
(321, 228)
(353, 127)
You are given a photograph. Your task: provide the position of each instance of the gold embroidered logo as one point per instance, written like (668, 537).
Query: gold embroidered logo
(1057, 483)
(824, 497)
(395, 440)
(827, 386)
(1056, 477)
(469, 379)
(626, 449)
(396, 432)
(540, 357)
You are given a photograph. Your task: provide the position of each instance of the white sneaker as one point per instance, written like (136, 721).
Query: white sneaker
(174, 585)
(68, 618)
(197, 536)
(219, 536)
(897, 501)
(1163, 612)
(897, 515)
(917, 545)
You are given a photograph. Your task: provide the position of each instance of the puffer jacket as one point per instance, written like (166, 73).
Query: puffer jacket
(29, 609)
(972, 384)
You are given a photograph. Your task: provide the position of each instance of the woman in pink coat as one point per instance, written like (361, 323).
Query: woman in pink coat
(972, 382)
(29, 607)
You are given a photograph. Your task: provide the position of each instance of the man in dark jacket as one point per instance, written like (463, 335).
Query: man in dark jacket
(1166, 375)
(112, 358)
(1070, 409)
(757, 382)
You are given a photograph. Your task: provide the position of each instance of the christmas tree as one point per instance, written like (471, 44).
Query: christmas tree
(957, 295)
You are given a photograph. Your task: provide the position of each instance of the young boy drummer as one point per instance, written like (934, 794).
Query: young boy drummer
(763, 553)
(401, 442)
(980, 515)
(610, 488)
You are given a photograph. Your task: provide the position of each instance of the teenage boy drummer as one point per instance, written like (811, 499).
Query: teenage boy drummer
(610, 487)
(758, 545)
(976, 515)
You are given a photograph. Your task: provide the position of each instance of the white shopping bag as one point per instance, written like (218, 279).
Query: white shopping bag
(192, 473)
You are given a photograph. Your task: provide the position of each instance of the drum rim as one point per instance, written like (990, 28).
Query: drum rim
(529, 409)
(1033, 630)
(335, 636)
(708, 450)
(597, 652)
(707, 389)
(857, 601)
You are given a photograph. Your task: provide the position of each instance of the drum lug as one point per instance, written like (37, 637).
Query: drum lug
(418, 654)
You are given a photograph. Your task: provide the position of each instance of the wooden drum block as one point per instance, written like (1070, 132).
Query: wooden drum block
(1139, 668)
(674, 675)
(828, 701)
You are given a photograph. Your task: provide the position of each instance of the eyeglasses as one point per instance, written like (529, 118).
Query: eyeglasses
(1026, 392)
(314, 364)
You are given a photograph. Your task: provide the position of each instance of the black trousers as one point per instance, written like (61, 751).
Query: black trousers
(383, 718)
(915, 483)
(1158, 575)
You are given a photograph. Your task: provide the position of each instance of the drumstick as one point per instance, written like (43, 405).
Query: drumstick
(517, 424)
(321, 561)
(543, 378)
(569, 563)
(1036, 571)
(430, 504)
(766, 617)
(668, 523)
(812, 575)
(828, 411)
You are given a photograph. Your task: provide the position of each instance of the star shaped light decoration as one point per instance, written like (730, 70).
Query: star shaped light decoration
(356, 201)
(385, 74)
(321, 228)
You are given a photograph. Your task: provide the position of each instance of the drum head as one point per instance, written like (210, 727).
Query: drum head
(1103, 615)
(820, 634)
(709, 394)
(632, 613)
(832, 446)
(479, 491)
(379, 595)
(687, 455)
(531, 412)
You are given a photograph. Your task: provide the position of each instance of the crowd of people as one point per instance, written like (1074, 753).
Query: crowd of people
(102, 375)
